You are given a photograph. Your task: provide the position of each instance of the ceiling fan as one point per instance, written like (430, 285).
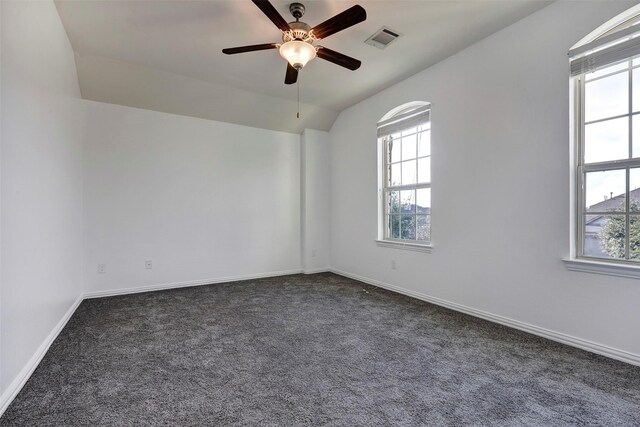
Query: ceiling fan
(298, 38)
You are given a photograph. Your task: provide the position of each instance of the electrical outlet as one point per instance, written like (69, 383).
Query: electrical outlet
(102, 268)
(148, 264)
(393, 264)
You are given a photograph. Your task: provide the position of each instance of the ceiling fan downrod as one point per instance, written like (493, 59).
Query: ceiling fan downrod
(297, 10)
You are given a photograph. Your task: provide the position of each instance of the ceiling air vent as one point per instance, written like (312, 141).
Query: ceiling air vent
(382, 37)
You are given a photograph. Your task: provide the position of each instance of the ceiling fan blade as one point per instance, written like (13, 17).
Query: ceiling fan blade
(292, 75)
(338, 58)
(271, 12)
(251, 48)
(343, 20)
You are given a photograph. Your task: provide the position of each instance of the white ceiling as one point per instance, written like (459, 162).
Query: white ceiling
(166, 55)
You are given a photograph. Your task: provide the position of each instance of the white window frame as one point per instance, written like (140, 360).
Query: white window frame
(582, 168)
(384, 238)
(595, 50)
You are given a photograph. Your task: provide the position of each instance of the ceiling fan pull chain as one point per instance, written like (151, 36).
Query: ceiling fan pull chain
(298, 86)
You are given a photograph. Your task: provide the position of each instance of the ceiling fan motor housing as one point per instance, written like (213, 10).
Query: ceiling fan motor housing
(299, 31)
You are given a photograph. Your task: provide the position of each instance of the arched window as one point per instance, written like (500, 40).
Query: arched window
(605, 67)
(404, 138)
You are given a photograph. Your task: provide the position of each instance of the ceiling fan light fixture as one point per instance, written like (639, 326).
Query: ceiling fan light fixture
(297, 53)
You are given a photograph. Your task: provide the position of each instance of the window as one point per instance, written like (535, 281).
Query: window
(405, 141)
(606, 73)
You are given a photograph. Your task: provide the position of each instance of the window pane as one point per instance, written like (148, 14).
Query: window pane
(612, 69)
(636, 89)
(394, 150)
(605, 191)
(635, 149)
(387, 226)
(634, 190)
(607, 97)
(394, 174)
(407, 201)
(408, 172)
(423, 227)
(608, 140)
(423, 201)
(410, 131)
(408, 227)
(395, 226)
(424, 126)
(394, 202)
(424, 169)
(634, 237)
(424, 144)
(409, 147)
(604, 236)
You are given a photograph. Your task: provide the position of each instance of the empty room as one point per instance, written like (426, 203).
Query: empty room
(324, 212)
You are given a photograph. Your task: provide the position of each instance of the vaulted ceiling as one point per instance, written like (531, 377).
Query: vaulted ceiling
(166, 55)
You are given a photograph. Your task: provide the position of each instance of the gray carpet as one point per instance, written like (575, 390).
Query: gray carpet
(311, 350)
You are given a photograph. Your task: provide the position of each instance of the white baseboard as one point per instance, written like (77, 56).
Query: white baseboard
(613, 353)
(175, 285)
(14, 388)
(315, 270)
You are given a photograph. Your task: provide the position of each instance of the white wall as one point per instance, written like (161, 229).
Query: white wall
(500, 117)
(41, 182)
(203, 200)
(316, 199)
(1, 49)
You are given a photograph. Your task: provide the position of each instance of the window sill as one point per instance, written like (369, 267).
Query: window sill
(606, 268)
(402, 245)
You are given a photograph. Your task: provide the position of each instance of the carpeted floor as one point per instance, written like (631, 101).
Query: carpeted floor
(311, 350)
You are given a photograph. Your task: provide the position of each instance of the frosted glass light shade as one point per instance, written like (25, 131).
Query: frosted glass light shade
(297, 53)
